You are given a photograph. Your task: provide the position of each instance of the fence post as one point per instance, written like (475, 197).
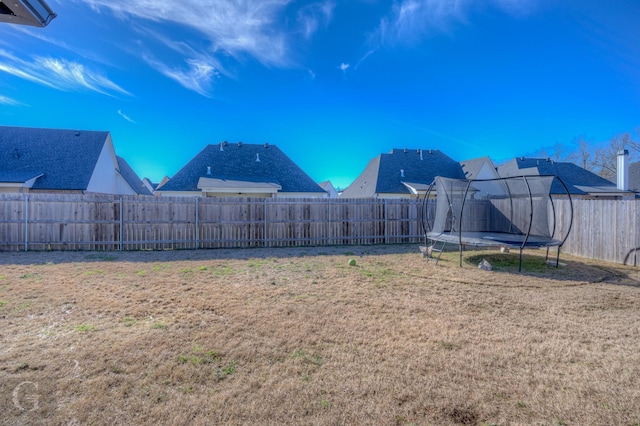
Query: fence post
(264, 214)
(386, 221)
(26, 222)
(197, 224)
(636, 232)
(121, 223)
(329, 236)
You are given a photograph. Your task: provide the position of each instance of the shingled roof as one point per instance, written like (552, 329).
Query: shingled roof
(634, 176)
(132, 178)
(579, 181)
(393, 174)
(242, 162)
(66, 159)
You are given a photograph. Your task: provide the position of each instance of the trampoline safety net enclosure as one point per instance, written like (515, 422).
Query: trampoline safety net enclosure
(516, 212)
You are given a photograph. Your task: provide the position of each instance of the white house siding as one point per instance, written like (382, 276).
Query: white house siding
(105, 178)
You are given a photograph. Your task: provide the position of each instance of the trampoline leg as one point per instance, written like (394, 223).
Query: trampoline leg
(520, 262)
(558, 257)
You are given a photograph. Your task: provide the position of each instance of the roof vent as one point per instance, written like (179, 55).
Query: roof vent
(522, 158)
(266, 144)
(420, 152)
(240, 143)
(222, 146)
(208, 170)
(548, 159)
(77, 132)
(430, 151)
(405, 150)
(257, 157)
(401, 172)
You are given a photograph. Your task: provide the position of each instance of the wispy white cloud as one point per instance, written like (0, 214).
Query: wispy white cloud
(344, 67)
(196, 70)
(11, 64)
(197, 75)
(92, 55)
(235, 27)
(59, 74)
(364, 57)
(411, 20)
(5, 100)
(214, 33)
(312, 16)
(125, 116)
(69, 75)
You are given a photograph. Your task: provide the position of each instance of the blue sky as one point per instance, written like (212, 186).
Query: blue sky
(332, 83)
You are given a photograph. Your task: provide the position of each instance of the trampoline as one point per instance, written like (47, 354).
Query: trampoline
(513, 212)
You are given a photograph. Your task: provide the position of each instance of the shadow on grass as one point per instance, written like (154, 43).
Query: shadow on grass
(56, 257)
(537, 265)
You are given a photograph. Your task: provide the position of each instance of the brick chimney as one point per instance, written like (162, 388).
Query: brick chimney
(623, 170)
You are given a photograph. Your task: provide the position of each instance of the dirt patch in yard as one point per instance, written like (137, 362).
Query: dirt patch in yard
(299, 336)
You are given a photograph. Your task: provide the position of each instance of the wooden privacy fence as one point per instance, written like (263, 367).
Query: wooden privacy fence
(602, 229)
(103, 222)
(606, 230)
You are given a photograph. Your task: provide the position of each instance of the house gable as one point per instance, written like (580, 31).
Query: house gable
(479, 168)
(329, 188)
(65, 158)
(106, 177)
(132, 179)
(60, 160)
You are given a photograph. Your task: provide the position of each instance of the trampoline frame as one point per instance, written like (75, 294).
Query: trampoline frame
(490, 239)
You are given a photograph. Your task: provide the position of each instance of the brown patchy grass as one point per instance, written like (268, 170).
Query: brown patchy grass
(297, 336)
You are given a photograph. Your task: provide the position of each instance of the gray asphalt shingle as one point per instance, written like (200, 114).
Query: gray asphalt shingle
(66, 157)
(237, 161)
(577, 179)
(386, 173)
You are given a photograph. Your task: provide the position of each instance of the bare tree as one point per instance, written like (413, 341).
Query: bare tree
(558, 152)
(561, 153)
(634, 145)
(606, 158)
(583, 155)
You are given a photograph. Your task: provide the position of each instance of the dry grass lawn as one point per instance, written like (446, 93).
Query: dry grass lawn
(297, 336)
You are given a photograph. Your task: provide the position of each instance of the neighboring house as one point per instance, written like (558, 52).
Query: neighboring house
(151, 186)
(634, 176)
(479, 168)
(403, 173)
(132, 178)
(239, 169)
(580, 182)
(62, 161)
(331, 190)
